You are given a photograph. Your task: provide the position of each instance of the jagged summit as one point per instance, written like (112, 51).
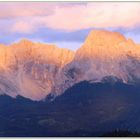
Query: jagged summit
(105, 44)
(103, 36)
(23, 42)
(28, 43)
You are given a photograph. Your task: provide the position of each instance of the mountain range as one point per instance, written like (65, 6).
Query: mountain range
(51, 91)
(37, 70)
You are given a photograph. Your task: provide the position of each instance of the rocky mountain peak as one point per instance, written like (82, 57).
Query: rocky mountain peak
(25, 42)
(104, 44)
(101, 37)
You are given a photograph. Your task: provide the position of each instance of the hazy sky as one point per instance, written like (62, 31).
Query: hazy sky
(66, 24)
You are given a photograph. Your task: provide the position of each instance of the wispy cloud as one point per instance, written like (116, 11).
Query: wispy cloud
(95, 15)
(28, 17)
(12, 10)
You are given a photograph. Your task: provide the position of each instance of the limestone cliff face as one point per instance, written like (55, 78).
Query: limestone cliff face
(30, 69)
(103, 54)
(35, 70)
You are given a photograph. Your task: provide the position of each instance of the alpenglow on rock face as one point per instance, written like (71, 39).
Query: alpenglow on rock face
(35, 70)
(30, 69)
(107, 53)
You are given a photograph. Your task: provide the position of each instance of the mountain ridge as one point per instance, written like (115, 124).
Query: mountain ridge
(35, 70)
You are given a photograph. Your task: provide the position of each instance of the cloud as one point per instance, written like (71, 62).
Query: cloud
(66, 23)
(97, 15)
(27, 17)
(22, 27)
(12, 10)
